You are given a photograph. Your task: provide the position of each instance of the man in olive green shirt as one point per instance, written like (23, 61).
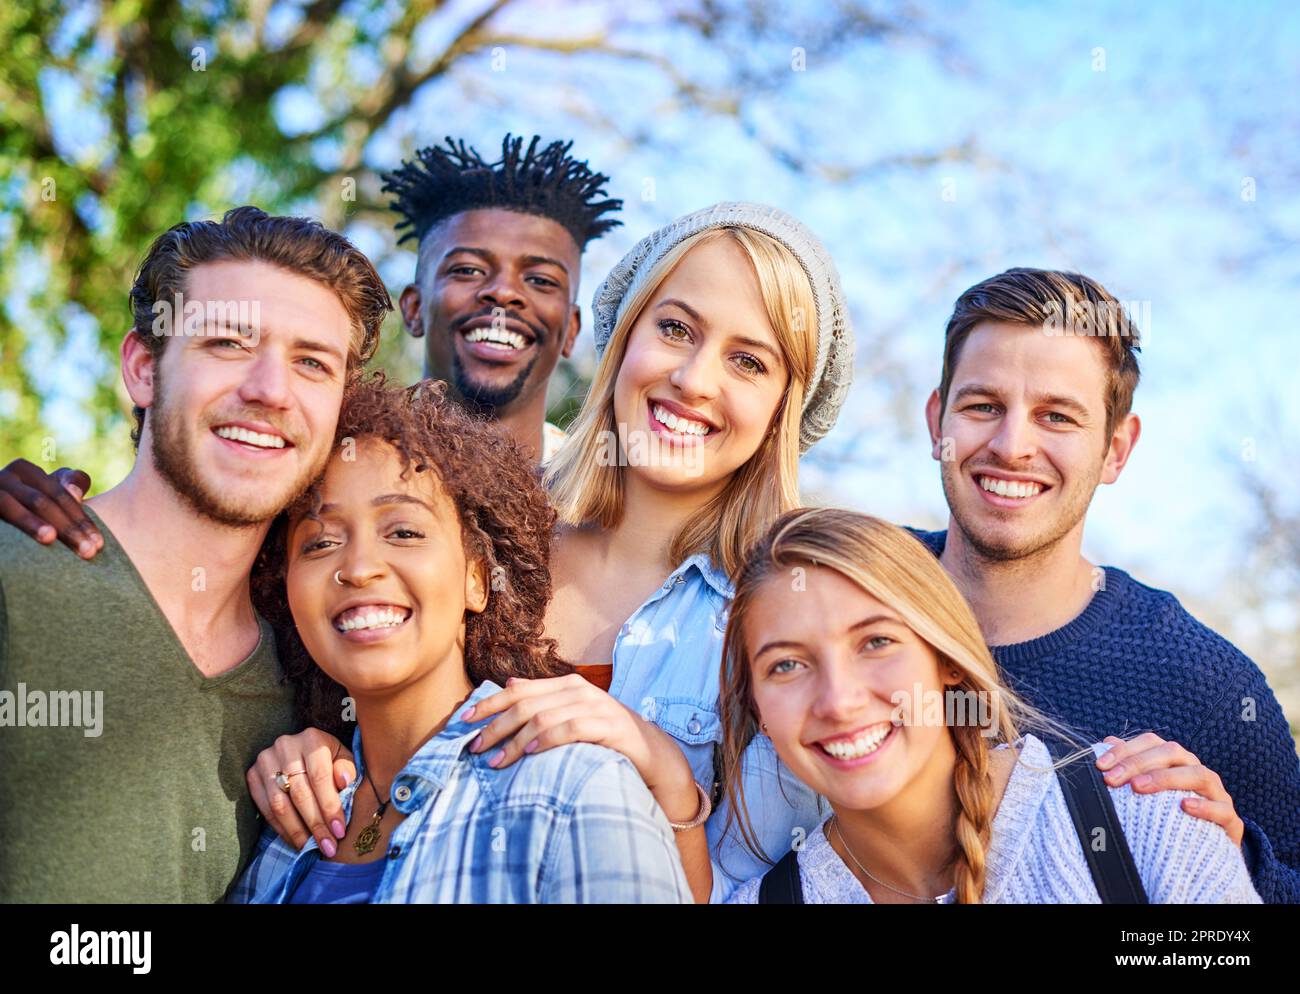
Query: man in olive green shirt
(137, 688)
(143, 798)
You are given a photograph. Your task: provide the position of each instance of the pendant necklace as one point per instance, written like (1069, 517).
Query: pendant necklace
(941, 899)
(370, 835)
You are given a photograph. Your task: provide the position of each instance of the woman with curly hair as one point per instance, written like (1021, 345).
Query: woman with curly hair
(413, 578)
(725, 353)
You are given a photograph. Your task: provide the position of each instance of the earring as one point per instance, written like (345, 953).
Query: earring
(765, 726)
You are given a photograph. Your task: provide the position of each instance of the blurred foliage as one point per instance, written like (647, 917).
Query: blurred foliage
(120, 118)
(172, 132)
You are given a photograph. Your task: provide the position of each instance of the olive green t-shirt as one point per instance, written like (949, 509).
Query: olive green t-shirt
(121, 764)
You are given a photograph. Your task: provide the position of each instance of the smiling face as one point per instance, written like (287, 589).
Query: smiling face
(703, 368)
(825, 664)
(240, 424)
(494, 300)
(1022, 443)
(398, 616)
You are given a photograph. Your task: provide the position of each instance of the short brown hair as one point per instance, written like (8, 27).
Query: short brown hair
(505, 521)
(296, 244)
(1035, 297)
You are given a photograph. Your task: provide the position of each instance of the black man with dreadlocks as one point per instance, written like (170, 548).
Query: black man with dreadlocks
(499, 247)
(496, 281)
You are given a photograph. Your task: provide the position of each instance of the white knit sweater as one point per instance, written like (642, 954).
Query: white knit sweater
(1035, 857)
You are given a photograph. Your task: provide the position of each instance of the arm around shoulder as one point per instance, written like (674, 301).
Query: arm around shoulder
(616, 846)
(1181, 859)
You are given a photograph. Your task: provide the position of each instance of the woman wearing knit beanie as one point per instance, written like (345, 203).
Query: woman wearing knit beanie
(725, 352)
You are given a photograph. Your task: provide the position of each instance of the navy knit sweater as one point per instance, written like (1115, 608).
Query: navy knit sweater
(1135, 661)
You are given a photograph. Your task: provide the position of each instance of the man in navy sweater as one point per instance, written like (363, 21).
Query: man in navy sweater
(1032, 412)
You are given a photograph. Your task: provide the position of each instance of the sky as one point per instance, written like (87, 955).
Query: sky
(1151, 147)
(1117, 143)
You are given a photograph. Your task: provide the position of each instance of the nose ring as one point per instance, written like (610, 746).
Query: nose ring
(337, 579)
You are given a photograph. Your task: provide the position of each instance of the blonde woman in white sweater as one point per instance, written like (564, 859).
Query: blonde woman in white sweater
(850, 647)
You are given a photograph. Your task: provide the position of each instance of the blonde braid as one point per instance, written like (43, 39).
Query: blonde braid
(974, 787)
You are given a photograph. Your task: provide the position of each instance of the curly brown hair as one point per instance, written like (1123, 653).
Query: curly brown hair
(505, 520)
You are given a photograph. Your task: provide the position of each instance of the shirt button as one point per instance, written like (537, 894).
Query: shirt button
(394, 852)
(402, 793)
(693, 726)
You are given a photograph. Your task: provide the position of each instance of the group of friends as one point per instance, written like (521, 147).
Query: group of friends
(366, 642)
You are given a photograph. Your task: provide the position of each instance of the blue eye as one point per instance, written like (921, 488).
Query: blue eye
(778, 668)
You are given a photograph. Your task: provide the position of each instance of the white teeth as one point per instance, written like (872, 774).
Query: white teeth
(236, 434)
(673, 423)
(498, 336)
(370, 617)
(1010, 488)
(868, 742)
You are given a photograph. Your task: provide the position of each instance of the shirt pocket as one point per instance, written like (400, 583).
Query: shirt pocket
(696, 727)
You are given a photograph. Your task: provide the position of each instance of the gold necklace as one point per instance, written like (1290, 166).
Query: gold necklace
(369, 836)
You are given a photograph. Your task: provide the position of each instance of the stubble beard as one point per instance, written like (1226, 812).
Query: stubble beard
(992, 548)
(483, 398)
(173, 457)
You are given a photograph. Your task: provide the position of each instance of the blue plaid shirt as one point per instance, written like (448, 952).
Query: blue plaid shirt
(574, 824)
(667, 668)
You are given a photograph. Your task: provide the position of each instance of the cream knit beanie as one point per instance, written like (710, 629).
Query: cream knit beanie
(833, 371)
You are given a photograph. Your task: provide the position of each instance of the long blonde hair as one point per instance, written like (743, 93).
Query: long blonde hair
(584, 488)
(901, 573)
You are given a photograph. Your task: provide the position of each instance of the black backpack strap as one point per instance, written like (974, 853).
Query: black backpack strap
(781, 884)
(1088, 798)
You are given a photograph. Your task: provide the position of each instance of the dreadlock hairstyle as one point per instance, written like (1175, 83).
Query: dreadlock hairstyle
(441, 182)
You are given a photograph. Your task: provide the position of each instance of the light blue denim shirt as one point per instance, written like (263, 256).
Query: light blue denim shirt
(667, 668)
(574, 824)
